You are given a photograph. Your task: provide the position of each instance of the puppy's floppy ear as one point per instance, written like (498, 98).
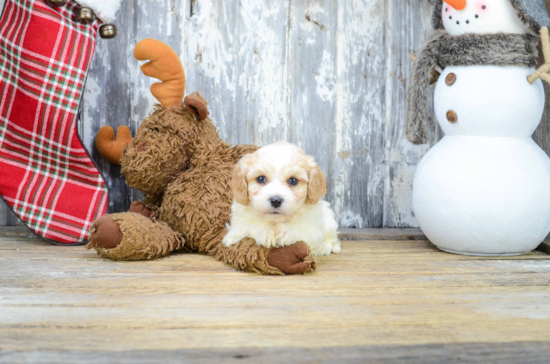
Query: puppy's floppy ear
(316, 185)
(239, 184)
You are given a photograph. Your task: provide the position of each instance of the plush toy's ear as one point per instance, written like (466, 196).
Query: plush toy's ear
(239, 184)
(109, 147)
(166, 66)
(197, 105)
(316, 185)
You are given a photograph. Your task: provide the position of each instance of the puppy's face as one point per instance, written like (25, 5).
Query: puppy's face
(277, 181)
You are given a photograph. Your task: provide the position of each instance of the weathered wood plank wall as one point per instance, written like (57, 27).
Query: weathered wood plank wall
(328, 75)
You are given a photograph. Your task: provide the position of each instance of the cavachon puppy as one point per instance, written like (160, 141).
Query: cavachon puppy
(277, 201)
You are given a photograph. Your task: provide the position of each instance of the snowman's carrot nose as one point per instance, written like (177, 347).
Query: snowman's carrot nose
(457, 4)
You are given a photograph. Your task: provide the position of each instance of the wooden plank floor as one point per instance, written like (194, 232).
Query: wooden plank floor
(380, 300)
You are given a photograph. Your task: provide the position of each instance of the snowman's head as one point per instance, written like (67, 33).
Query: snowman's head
(481, 17)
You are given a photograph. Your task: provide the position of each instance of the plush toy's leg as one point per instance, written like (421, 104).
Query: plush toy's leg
(140, 208)
(132, 236)
(250, 257)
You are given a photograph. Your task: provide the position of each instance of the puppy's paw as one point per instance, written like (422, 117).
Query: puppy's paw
(285, 238)
(231, 239)
(267, 239)
(336, 248)
(327, 249)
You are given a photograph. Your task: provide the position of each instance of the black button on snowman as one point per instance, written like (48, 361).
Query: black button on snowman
(484, 189)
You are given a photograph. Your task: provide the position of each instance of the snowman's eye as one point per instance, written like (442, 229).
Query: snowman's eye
(446, 9)
(484, 7)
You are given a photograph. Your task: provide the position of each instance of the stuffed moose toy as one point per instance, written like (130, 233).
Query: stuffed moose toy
(179, 162)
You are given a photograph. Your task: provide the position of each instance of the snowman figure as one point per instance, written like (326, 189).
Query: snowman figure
(484, 189)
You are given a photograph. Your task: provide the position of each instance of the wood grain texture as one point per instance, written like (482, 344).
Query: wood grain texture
(327, 75)
(407, 28)
(502, 353)
(7, 217)
(312, 81)
(378, 297)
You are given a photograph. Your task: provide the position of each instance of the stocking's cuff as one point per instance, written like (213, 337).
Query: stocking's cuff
(104, 9)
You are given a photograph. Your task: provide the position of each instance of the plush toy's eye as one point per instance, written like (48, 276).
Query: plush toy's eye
(261, 180)
(293, 181)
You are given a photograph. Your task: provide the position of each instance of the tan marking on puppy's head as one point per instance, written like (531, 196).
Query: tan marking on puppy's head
(239, 182)
(317, 183)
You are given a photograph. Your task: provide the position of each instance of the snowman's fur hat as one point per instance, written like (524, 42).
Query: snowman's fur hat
(443, 50)
(531, 12)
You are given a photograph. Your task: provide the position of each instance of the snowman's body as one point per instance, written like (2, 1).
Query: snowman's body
(484, 189)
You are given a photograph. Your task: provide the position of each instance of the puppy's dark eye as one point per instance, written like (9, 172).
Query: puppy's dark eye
(261, 180)
(293, 181)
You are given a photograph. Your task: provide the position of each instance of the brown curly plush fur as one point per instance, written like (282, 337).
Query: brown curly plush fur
(185, 170)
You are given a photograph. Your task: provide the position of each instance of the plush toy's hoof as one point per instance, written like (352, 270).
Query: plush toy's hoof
(106, 233)
(294, 259)
(139, 208)
(131, 236)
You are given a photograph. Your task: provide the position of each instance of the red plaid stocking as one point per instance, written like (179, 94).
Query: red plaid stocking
(46, 175)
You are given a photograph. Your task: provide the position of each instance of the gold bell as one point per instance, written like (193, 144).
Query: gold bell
(107, 31)
(57, 2)
(86, 15)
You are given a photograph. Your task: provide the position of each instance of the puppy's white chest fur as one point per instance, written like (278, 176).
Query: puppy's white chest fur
(314, 225)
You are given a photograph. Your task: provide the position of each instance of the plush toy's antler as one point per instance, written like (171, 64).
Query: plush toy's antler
(109, 147)
(166, 66)
(542, 72)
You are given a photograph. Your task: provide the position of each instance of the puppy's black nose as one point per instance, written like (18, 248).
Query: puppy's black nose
(276, 202)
